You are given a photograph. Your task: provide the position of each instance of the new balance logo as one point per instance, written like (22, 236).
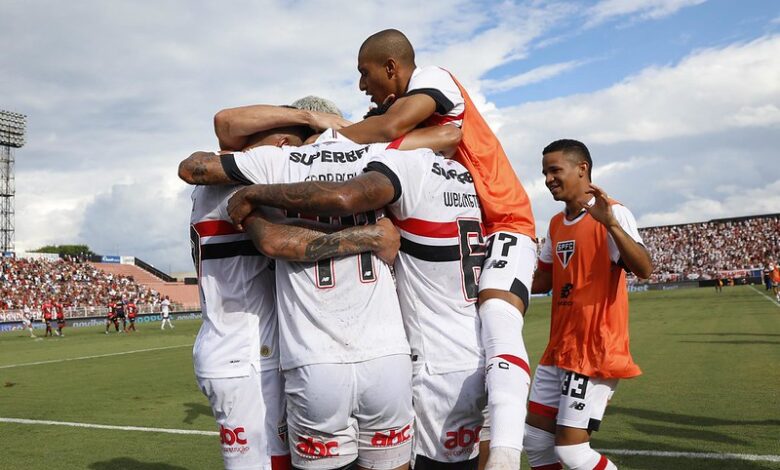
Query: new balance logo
(577, 405)
(393, 438)
(317, 449)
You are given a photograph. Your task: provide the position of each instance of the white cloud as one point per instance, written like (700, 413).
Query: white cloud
(606, 10)
(669, 139)
(710, 91)
(745, 201)
(536, 75)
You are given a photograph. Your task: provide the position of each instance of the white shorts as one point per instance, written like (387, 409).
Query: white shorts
(250, 412)
(338, 413)
(448, 409)
(509, 264)
(573, 400)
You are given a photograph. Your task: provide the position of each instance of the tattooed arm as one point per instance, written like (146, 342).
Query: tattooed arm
(369, 191)
(299, 244)
(203, 168)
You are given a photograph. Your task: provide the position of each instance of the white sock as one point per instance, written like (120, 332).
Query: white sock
(540, 447)
(582, 457)
(507, 375)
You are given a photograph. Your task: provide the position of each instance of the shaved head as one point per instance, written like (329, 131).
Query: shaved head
(387, 44)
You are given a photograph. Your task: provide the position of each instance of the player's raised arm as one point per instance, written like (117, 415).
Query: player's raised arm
(441, 139)
(203, 168)
(235, 126)
(403, 116)
(633, 255)
(369, 191)
(294, 243)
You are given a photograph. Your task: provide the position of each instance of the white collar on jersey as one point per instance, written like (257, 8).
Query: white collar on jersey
(331, 135)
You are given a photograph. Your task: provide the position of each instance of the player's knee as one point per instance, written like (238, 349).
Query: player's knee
(539, 446)
(582, 457)
(424, 463)
(502, 329)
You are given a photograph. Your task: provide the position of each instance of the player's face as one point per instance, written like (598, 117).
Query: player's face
(562, 176)
(374, 80)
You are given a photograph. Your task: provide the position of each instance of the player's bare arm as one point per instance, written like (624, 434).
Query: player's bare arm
(294, 243)
(369, 191)
(203, 168)
(235, 126)
(542, 282)
(440, 139)
(403, 116)
(634, 255)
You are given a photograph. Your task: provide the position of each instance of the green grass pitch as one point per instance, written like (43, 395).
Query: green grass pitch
(711, 383)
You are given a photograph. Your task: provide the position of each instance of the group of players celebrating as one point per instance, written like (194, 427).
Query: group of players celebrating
(363, 285)
(124, 311)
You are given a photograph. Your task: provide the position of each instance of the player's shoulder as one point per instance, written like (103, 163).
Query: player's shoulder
(430, 76)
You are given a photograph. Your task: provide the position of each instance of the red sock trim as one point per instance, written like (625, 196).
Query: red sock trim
(602, 464)
(281, 462)
(542, 410)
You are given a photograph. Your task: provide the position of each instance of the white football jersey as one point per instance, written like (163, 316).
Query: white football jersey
(236, 284)
(442, 248)
(341, 310)
(439, 85)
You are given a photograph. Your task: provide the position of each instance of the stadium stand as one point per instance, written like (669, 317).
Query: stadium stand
(710, 249)
(185, 295)
(84, 288)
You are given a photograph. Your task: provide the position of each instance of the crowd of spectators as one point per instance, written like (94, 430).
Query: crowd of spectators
(71, 282)
(708, 250)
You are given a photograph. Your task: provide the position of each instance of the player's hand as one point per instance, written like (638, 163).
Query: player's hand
(321, 121)
(239, 207)
(597, 205)
(390, 243)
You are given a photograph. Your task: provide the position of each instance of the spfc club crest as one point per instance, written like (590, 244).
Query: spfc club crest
(565, 250)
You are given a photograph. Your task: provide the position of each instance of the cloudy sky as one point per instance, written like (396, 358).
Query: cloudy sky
(679, 100)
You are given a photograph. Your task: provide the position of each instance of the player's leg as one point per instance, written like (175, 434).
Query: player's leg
(384, 412)
(241, 410)
(583, 401)
(540, 427)
(108, 325)
(320, 400)
(448, 419)
(504, 293)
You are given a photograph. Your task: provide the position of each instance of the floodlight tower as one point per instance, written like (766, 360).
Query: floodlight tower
(12, 128)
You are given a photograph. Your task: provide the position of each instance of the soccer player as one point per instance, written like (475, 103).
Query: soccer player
(776, 281)
(588, 248)
(60, 312)
(165, 308)
(27, 320)
(132, 312)
(111, 317)
(47, 308)
(119, 311)
(433, 202)
(343, 351)
(430, 96)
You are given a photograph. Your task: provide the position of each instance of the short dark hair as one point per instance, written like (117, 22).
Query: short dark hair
(386, 44)
(574, 148)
